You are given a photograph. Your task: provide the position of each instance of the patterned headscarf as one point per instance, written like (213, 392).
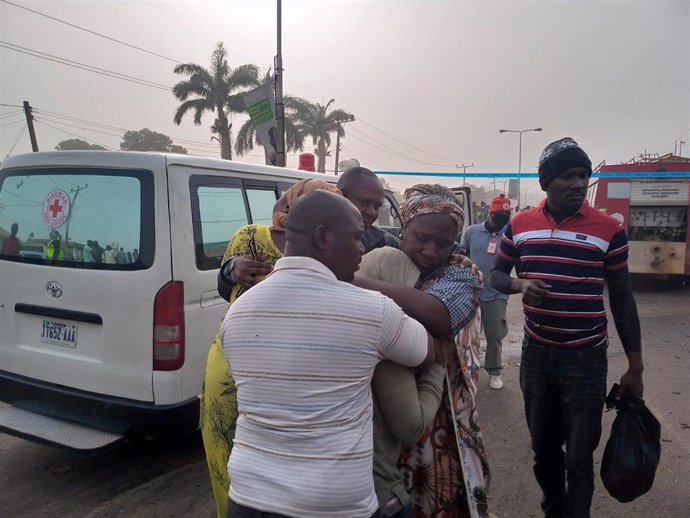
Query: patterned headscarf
(430, 199)
(294, 192)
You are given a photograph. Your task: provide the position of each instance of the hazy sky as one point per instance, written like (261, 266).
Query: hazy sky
(439, 76)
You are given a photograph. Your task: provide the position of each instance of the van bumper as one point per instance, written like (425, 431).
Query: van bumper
(112, 414)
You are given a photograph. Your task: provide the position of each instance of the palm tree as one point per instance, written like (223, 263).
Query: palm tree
(315, 121)
(218, 90)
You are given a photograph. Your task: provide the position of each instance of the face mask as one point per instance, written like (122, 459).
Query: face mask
(500, 219)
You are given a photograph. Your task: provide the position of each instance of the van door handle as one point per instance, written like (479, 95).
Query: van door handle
(66, 314)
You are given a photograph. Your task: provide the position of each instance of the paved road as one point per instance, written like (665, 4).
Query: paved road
(169, 480)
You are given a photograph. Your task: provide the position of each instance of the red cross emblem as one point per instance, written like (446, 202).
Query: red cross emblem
(55, 208)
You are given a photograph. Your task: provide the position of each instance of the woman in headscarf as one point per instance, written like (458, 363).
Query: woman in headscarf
(445, 472)
(218, 395)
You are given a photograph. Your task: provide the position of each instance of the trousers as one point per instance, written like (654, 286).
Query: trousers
(495, 330)
(564, 392)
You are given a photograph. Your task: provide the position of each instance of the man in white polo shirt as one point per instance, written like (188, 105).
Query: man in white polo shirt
(302, 346)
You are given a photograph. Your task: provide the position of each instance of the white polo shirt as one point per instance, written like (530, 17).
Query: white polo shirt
(302, 347)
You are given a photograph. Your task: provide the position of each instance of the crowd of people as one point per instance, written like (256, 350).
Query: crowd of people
(56, 249)
(343, 379)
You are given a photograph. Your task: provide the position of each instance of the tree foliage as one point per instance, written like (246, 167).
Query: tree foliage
(319, 122)
(148, 140)
(76, 143)
(217, 90)
(303, 120)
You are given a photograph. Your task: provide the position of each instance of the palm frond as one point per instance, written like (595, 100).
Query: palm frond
(244, 76)
(199, 106)
(244, 141)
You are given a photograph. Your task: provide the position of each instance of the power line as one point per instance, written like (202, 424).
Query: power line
(388, 149)
(673, 144)
(9, 114)
(106, 126)
(11, 105)
(43, 118)
(360, 157)
(91, 32)
(75, 135)
(75, 119)
(11, 123)
(359, 119)
(83, 66)
(21, 134)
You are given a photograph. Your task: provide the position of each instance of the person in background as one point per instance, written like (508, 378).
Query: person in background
(109, 254)
(218, 397)
(11, 245)
(121, 256)
(88, 252)
(302, 346)
(54, 249)
(359, 185)
(564, 252)
(483, 211)
(480, 242)
(98, 252)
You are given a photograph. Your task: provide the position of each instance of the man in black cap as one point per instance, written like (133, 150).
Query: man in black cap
(564, 252)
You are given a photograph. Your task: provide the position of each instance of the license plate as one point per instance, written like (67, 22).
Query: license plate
(58, 333)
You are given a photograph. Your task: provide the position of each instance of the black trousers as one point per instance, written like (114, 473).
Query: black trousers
(564, 391)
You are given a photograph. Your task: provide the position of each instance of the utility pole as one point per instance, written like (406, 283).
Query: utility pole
(464, 171)
(280, 107)
(76, 192)
(680, 148)
(520, 132)
(337, 139)
(30, 124)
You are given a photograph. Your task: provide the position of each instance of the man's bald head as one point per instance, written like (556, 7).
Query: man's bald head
(328, 228)
(363, 188)
(354, 176)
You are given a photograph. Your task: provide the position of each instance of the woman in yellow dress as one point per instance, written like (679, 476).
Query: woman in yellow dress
(218, 395)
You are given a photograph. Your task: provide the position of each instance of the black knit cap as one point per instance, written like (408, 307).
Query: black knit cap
(560, 156)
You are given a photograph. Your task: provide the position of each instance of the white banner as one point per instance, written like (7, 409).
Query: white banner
(659, 192)
(260, 105)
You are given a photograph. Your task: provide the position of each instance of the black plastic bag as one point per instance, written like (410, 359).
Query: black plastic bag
(633, 450)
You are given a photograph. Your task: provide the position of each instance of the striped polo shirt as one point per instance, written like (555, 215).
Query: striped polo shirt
(302, 347)
(572, 257)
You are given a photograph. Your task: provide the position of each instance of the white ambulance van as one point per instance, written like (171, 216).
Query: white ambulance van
(109, 304)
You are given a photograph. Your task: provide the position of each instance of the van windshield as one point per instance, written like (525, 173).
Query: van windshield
(77, 217)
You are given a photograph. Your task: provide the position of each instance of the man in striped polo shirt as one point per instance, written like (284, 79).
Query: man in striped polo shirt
(302, 346)
(564, 251)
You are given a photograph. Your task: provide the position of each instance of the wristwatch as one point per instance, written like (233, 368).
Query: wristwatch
(226, 271)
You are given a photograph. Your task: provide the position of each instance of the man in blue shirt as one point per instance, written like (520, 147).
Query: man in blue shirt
(481, 242)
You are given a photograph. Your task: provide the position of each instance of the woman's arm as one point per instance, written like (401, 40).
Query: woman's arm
(408, 404)
(425, 308)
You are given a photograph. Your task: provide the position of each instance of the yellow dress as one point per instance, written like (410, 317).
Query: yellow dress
(218, 395)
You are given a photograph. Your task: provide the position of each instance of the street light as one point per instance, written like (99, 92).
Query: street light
(520, 153)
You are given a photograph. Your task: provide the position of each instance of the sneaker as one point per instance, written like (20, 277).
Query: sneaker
(495, 382)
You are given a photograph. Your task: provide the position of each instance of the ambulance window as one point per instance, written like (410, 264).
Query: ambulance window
(261, 202)
(388, 216)
(77, 217)
(218, 211)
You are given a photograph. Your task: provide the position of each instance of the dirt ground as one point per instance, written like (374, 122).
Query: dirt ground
(168, 479)
(665, 319)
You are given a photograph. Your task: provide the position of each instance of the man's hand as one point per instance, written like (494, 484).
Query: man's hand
(465, 262)
(630, 383)
(246, 269)
(533, 290)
